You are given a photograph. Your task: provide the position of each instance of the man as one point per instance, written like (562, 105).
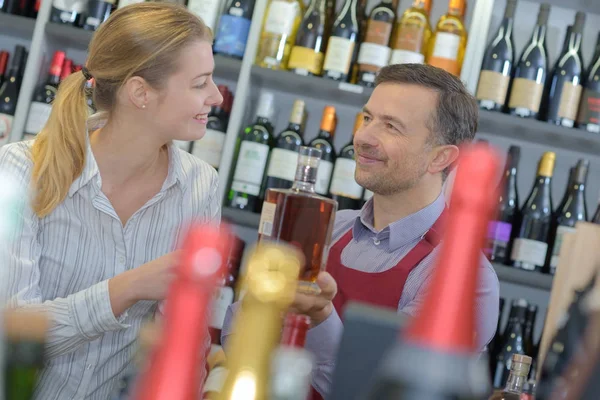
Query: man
(384, 254)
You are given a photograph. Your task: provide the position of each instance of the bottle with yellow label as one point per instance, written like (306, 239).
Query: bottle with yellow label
(307, 54)
(279, 33)
(447, 47)
(411, 34)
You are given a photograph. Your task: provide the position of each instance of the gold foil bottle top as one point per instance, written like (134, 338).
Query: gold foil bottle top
(423, 5)
(546, 166)
(358, 122)
(520, 364)
(329, 120)
(297, 115)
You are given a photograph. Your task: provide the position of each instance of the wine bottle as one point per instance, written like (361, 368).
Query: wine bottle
(40, 108)
(574, 209)
(528, 342)
(324, 142)
(97, 11)
(279, 33)
(497, 66)
(9, 92)
(207, 10)
(374, 51)
(494, 346)
(67, 69)
(344, 188)
(531, 71)
(68, 12)
(519, 369)
(283, 160)
(411, 34)
(234, 26)
(306, 57)
(512, 342)
(342, 45)
(531, 241)
(3, 65)
(589, 109)
(251, 157)
(302, 217)
(449, 41)
(563, 92)
(501, 228)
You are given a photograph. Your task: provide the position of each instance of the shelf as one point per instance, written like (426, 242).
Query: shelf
(311, 86)
(69, 36)
(227, 67)
(240, 217)
(17, 26)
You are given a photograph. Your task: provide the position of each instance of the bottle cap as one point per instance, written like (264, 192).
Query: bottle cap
(579, 22)
(543, 14)
(308, 162)
(514, 154)
(266, 106)
(328, 120)
(581, 171)
(520, 364)
(546, 166)
(3, 62)
(57, 63)
(297, 114)
(66, 69)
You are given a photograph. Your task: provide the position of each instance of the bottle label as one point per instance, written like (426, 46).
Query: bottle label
(210, 147)
(307, 59)
(445, 52)
(493, 86)
(371, 54)
(560, 231)
(498, 238)
(589, 112)
(339, 55)
(281, 16)
(267, 217)
(207, 10)
(342, 182)
(182, 144)
(406, 57)
(569, 101)
(6, 122)
(215, 380)
(221, 301)
(283, 164)
(531, 253)
(378, 32)
(323, 177)
(232, 35)
(250, 167)
(38, 116)
(410, 38)
(526, 94)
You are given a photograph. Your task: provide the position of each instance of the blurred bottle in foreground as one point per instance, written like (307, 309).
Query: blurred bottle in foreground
(519, 369)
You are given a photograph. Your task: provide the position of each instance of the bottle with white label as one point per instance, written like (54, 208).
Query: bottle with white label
(449, 42)
(342, 46)
(251, 157)
(284, 156)
(531, 240)
(411, 34)
(234, 26)
(68, 12)
(207, 10)
(324, 142)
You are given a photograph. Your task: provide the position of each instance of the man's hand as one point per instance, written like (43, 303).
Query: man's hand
(317, 306)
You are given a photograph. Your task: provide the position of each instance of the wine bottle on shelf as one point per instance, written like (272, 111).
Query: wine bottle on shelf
(3, 65)
(283, 160)
(207, 10)
(498, 62)
(9, 92)
(302, 217)
(234, 26)
(374, 51)
(531, 240)
(306, 57)
(210, 147)
(279, 33)
(10, 7)
(494, 346)
(97, 11)
(324, 142)
(411, 34)
(574, 209)
(41, 105)
(501, 229)
(343, 43)
(68, 12)
(251, 157)
(519, 369)
(512, 342)
(67, 69)
(344, 188)
(589, 109)
(449, 41)
(563, 92)
(528, 342)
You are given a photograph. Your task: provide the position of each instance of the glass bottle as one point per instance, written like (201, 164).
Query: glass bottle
(324, 142)
(411, 34)
(449, 41)
(519, 369)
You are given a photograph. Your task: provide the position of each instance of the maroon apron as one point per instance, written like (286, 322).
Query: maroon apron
(382, 289)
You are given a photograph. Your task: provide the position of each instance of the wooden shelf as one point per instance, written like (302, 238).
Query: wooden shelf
(16, 26)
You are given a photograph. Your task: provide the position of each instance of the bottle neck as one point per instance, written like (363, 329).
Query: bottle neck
(514, 383)
(305, 179)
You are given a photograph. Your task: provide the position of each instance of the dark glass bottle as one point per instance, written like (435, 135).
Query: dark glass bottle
(234, 26)
(9, 92)
(70, 12)
(3, 65)
(343, 43)
(324, 142)
(96, 13)
(306, 57)
(512, 342)
(589, 109)
(494, 346)
(528, 343)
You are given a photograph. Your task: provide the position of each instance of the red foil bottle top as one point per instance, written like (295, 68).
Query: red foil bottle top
(294, 330)
(3, 62)
(57, 63)
(67, 68)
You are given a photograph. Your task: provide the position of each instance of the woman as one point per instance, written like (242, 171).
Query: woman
(95, 248)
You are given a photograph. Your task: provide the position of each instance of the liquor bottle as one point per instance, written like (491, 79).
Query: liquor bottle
(497, 66)
(563, 92)
(531, 71)
(519, 369)
(9, 91)
(292, 363)
(501, 228)
(97, 11)
(324, 142)
(207, 10)
(175, 365)
(529, 386)
(344, 188)
(449, 41)
(210, 147)
(302, 217)
(40, 108)
(366, 196)
(374, 51)
(574, 209)
(589, 109)
(283, 160)
(528, 342)
(512, 342)
(234, 26)
(279, 33)
(68, 12)
(67, 69)
(444, 361)
(306, 57)
(531, 240)
(343, 43)
(411, 34)
(270, 283)
(252, 154)
(3, 65)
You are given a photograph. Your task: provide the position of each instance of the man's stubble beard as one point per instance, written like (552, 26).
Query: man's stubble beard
(385, 184)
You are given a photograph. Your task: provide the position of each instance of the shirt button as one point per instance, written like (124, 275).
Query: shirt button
(376, 242)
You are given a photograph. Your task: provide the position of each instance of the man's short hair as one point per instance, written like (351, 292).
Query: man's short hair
(455, 118)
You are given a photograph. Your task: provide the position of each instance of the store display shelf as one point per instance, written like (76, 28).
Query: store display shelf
(16, 26)
(240, 217)
(521, 277)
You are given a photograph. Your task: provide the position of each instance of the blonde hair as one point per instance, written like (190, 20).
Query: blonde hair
(138, 40)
